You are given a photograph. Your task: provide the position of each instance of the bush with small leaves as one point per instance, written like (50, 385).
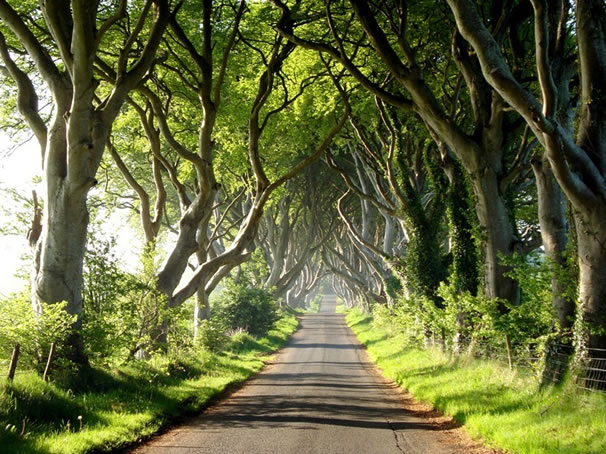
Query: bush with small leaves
(212, 335)
(34, 332)
(251, 309)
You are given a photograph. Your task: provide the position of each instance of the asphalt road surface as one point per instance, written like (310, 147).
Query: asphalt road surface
(320, 395)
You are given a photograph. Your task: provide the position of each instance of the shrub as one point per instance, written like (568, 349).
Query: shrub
(35, 333)
(243, 307)
(241, 340)
(124, 313)
(212, 335)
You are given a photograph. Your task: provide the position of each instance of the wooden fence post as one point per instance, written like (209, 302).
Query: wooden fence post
(51, 354)
(12, 367)
(509, 352)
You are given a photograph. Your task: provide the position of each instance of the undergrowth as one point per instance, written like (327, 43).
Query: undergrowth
(506, 409)
(107, 409)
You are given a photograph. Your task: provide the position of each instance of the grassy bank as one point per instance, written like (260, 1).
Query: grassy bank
(108, 409)
(505, 409)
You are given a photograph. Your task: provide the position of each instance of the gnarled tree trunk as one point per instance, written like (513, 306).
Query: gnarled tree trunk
(497, 226)
(74, 141)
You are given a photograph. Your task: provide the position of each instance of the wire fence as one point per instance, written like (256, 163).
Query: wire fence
(594, 376)
(549, 365)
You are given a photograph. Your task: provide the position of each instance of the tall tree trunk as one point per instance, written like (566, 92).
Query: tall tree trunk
(499, 238)
(74, 150)
(552, 220)
(201, 310)
(389, 235)
(591, 320)
(57, 273)
(464, 276)
(591, 241)
(462, 244)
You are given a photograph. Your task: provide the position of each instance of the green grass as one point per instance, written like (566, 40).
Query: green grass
(505, 409)
(109, 409)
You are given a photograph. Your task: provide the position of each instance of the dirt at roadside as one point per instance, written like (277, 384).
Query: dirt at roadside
(451, 433)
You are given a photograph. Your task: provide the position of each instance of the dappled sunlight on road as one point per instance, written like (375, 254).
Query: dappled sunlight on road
(321, 394)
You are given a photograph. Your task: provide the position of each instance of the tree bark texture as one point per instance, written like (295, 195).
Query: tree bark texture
(591, 243)
(578, 165)
(499, 238)
(552, 219)
(201, 310)
(73, 142)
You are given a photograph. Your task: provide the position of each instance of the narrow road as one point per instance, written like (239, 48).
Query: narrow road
(321, 395)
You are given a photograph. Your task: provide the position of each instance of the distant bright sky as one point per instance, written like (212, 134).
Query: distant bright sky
(17, 170)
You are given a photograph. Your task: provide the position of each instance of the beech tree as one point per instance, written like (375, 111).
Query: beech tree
(407, 75)
(375, 227)
(236, 55)
(61, 43)
(357, 282)
(294, 230)
(305, 287)
(406, 175)
(576, 150)
(402, 175)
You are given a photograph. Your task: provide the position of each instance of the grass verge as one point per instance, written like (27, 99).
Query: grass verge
(110, 409)
(505, 409)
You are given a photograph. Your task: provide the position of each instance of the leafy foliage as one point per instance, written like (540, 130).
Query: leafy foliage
(34, 332)
(124, 312)
(464, 251)
(474, 320)
(212, 335)
(244, 307)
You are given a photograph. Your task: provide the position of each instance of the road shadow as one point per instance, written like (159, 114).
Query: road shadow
(325, 346)
(259, 412)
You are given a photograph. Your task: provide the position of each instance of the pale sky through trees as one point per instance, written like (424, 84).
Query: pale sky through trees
(17, 170)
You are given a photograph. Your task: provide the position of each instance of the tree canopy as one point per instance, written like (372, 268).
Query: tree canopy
(410, 155)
